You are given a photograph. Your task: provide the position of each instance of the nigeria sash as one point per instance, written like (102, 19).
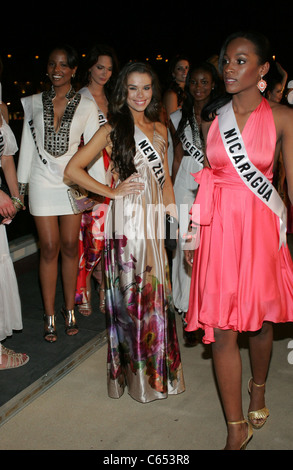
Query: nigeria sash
(250, 175)
(152, 157)
(187, 145)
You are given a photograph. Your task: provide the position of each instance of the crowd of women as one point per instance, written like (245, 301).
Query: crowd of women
(203, 155)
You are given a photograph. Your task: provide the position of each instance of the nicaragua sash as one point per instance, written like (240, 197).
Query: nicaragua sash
(250, 175)
(187, 145)
(151, 155)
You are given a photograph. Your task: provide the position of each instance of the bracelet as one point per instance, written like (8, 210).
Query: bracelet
(18, 204)
(22, 188)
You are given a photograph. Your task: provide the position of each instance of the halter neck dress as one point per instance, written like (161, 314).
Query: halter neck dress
(240, 277)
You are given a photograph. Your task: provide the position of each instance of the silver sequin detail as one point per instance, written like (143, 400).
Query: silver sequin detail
(57, 143)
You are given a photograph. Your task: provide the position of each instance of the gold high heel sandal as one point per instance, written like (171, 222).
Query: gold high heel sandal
(249, 432)
(257, 415)
(102, 293)
(85, 308)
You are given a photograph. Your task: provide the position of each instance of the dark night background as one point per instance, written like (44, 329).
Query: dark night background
(136, 30)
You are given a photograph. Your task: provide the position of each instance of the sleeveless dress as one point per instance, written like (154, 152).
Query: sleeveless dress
(143, 350)
(10, 305)
(91, 234)
(240, 277)
(185, 188)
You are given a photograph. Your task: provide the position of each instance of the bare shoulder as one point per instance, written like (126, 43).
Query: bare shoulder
(283, 116)
(4, 110)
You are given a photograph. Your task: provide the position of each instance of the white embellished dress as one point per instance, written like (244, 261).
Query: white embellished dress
(44, 152)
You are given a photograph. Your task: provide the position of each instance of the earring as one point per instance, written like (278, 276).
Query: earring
(261, 85)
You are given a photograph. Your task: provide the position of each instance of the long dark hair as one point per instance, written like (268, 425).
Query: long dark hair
(262, 50)
(92, 58)
(121, 120)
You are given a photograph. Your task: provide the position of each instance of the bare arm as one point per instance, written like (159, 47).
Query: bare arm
(75, 171)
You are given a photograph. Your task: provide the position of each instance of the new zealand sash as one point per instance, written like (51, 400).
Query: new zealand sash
(250, 175)
(153, 159)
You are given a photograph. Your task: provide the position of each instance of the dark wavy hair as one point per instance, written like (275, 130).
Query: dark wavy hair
(121, 120)
(262, 49)
(92, 58)
(188, 104)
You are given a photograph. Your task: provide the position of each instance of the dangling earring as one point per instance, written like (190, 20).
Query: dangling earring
(261, 85)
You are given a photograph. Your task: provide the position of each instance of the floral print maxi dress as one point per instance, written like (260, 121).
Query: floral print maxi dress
(143, 350)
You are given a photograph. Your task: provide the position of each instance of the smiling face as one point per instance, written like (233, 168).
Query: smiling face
(58, 69)
(241, 68)
(201, 84)
(139, 86)
(180, 71)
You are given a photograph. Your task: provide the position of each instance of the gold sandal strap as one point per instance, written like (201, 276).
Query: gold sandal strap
(253, 382)
(237, 422)
(259, 414)
(256, 385)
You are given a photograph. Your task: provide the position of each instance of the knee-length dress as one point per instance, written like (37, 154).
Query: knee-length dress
(143, 349)
(45, 152)
(240, 277)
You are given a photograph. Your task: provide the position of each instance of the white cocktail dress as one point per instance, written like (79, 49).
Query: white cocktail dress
(44, 152)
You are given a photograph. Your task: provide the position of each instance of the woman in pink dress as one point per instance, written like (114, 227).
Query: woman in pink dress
(242, 277)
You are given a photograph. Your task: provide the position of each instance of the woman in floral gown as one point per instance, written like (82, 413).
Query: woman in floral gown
(143, 351)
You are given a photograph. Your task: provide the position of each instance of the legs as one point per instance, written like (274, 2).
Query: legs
(228, 369)
(55, 239)
(260, 345)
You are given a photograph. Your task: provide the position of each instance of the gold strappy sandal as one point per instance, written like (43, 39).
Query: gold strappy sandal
(13, 359)
(102, 300)
(85, 308)
(249, 432)
(258, 415)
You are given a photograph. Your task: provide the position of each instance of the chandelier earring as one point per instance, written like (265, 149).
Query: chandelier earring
(261, 85)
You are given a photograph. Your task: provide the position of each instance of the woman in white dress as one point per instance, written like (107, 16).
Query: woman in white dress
(54, 122)
(188, 158)
(101, 70)
(10, 306)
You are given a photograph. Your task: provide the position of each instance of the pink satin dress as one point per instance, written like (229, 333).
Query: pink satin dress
(240, 277)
